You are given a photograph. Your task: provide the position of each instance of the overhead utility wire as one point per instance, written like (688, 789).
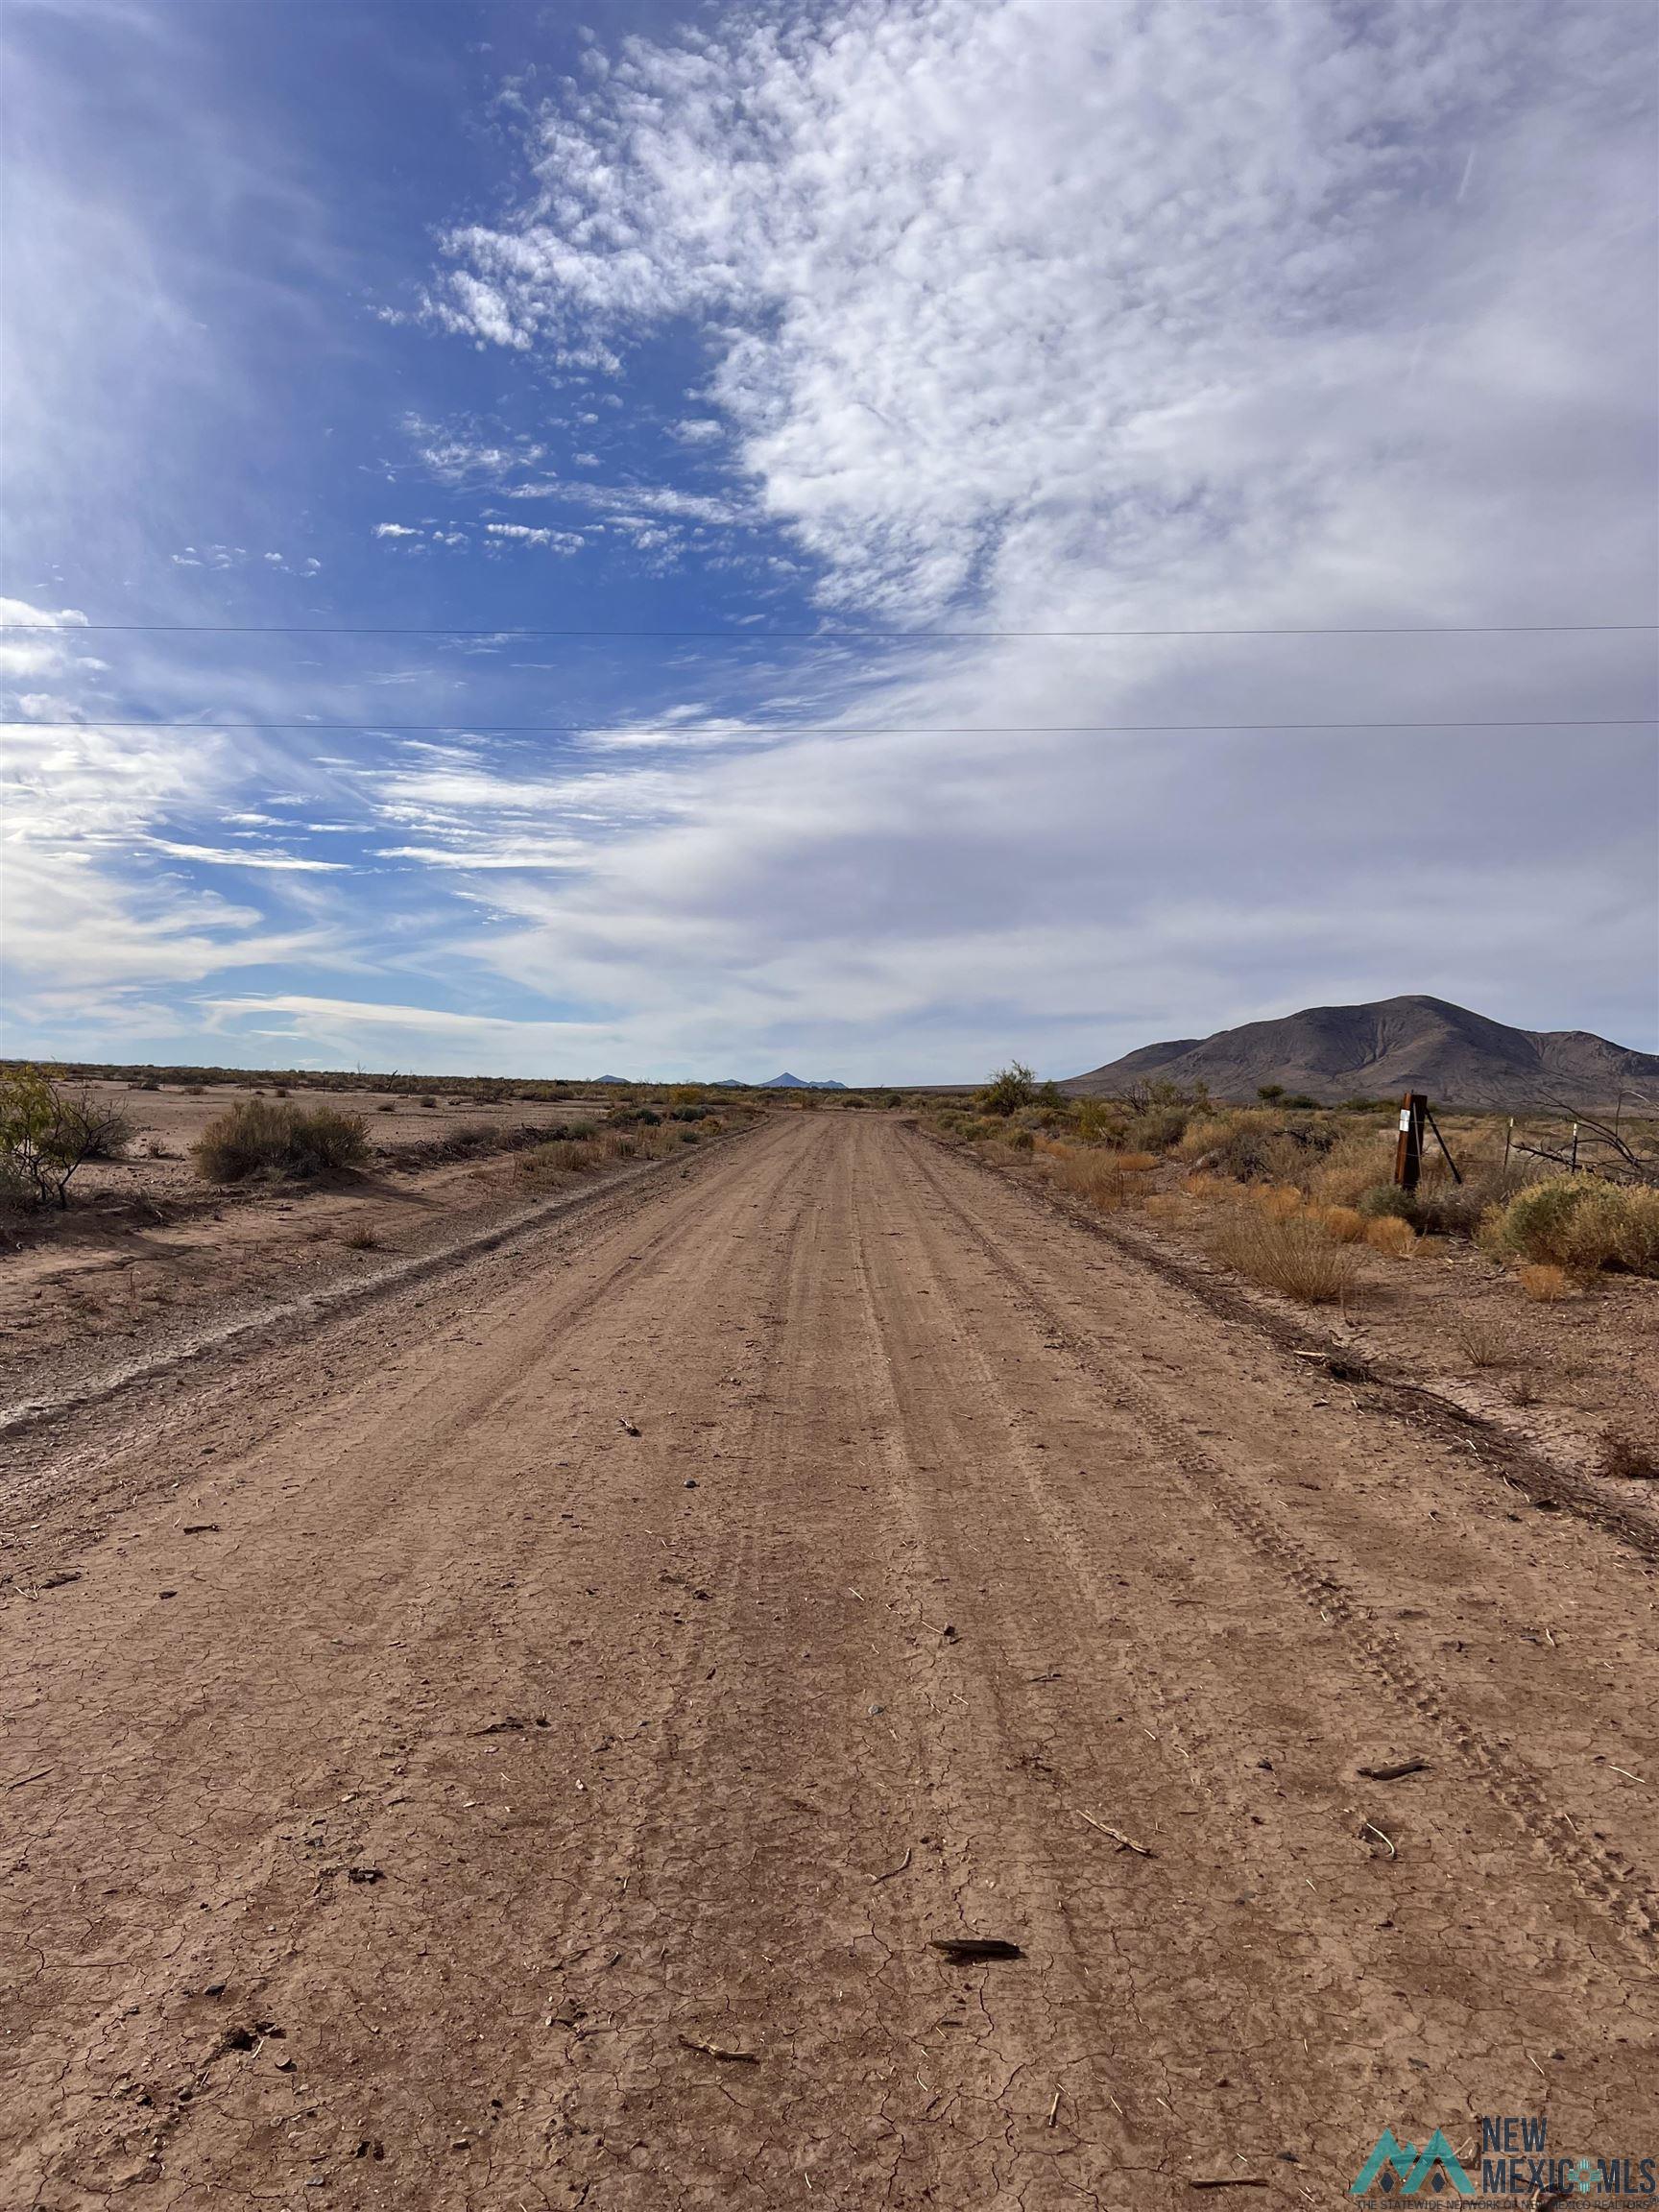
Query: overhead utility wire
(815, 636)
(855, 730)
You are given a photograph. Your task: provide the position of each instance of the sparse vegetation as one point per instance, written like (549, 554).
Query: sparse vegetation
(1290, 1254)
(48, 1131)
(259, 1138)
(1484, 1346)
(1633, 1457)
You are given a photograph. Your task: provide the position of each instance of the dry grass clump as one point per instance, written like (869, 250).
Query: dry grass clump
(566, 1156)
(1344, 1224)
(268, 1137)
(1277, 1201)
(1104, 1178)
(1544, 1282)
(1484, 1346)
(1164, 1206)
(1388, 1233)
(1290, 1254)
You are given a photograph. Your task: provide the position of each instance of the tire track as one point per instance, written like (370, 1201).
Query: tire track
(1599, 1875)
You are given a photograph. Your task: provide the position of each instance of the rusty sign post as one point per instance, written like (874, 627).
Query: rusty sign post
(1408, 1151)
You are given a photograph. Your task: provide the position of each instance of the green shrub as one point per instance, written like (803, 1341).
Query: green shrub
(1158, 1129)
(1580, 1223)
(47, 1132)
(271, 1137)
(1386, 1199)
(1009, 1089)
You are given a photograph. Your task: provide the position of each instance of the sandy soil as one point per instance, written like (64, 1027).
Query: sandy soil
(519, 1741)
(149, 1251)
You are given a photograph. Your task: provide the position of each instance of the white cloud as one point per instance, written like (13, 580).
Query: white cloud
(1029, 318)
(521, 533)
(260, 857)
(998, 291)
(394, 530)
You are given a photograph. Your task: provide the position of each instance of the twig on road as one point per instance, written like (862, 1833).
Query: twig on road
(1123, 1842)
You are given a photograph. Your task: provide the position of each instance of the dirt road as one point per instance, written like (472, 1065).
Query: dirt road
(431, 1793)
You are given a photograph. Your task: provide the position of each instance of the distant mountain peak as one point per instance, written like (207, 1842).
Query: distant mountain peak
(789, 1082)
(1389, 1045)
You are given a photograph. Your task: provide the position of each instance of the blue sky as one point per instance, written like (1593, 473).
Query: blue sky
(328, 324)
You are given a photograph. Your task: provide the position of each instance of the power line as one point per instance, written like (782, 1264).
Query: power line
(818, 636)
(857, 730)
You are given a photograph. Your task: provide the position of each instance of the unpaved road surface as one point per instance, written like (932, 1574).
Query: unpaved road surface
(430, 1793)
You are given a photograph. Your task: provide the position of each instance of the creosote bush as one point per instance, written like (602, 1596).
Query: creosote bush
(268, 1137)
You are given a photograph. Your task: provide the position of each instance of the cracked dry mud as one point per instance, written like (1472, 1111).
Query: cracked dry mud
(490, 1807)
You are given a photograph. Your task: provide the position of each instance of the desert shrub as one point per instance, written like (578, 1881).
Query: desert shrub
(1386, 1201)
(1098, 1121)
(360, 1240)
(1020, 1139)
(429, 1102)
(1625, 1453)
(1164, 1206)
(1293, 1255)
(1388, 1233)
(482, 1137)
(1448, 1208)
(1009, 1088)
(1580, 1223)
(1159, 1129)
(271, 1137)
(48, 1131)
(1250, 1149)
(1484, 1346)
(1544, 1284)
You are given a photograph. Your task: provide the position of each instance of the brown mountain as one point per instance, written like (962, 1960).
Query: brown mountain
(1336, 1052)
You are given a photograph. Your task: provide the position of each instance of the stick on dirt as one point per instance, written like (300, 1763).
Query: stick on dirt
(1123, 1842)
